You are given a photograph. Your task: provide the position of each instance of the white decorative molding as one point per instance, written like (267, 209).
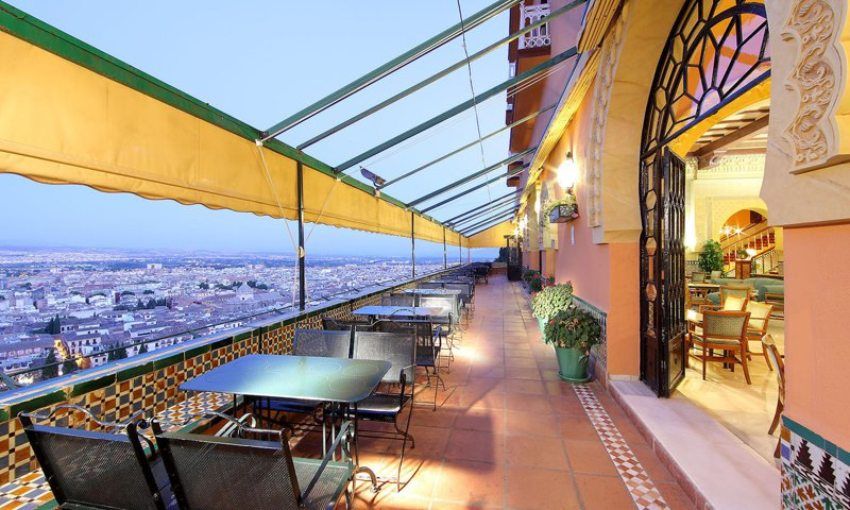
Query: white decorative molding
(733, 166)
(817, 77)
(536, 37)
(601, 100)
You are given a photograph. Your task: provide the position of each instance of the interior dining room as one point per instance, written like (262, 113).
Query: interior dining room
(734, 262)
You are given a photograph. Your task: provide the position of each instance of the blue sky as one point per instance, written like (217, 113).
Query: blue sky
(261, 61)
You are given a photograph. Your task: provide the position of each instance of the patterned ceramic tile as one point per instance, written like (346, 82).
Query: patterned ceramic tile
(640, 486)
(811, 477)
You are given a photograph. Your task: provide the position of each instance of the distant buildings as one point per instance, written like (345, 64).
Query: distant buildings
(114, 302)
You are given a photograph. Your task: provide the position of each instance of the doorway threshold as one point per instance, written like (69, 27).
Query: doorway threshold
(712, 465)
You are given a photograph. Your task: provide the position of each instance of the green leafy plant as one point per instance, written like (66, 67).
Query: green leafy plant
(535, 283)
(711, 257)
(551, 300)
(528, 274)
(573, 328)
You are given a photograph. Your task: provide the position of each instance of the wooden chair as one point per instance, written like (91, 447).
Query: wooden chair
(733, 298)
(725, 331)
(698, 277)
(775, 360)
(757, 328)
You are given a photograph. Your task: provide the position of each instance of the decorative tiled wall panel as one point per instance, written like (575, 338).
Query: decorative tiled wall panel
(815, 472)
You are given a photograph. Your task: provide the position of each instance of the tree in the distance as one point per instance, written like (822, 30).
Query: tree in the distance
(50, 371)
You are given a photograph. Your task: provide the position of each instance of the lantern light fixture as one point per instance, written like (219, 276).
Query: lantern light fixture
(568, 173)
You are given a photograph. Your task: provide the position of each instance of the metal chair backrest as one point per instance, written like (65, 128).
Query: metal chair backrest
(399, 300)
(447, 304)
(398, 348)
(697, 277)
(95, 469)
(465, 291)
(725, 325)
(431, 285)
(222, 472)
(324, 343)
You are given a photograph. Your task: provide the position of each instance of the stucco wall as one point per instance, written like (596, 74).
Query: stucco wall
(817, 293)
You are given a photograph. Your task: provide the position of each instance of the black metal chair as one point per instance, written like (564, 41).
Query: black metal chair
(428, 347)
(246, 472)
(399, 300)
(466, 296)
(388, 403)
(342, 325)
(93, 469)
(449, 306)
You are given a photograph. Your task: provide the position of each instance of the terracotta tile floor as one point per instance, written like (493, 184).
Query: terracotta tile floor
(508, 433)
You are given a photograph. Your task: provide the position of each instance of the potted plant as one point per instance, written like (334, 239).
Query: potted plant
(535, 283)
(550, 301)
(711, 257)
(532, 280)
(572, 332)
(562, 210)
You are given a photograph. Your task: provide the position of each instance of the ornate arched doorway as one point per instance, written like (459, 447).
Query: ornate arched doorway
(716, 51)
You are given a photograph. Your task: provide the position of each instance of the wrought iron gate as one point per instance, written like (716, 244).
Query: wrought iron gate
(716, 51)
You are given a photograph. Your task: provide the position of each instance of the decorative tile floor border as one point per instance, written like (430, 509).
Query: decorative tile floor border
(640, 486)
(31, 491)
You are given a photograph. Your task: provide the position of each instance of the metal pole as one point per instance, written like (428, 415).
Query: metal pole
(412, 244)
(445, 254)
(459, 249)
(302, 255)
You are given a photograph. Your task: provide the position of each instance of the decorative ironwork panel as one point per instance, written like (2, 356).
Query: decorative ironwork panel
(716, 51)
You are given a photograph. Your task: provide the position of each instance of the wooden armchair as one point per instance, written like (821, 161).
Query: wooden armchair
(775, 360)
(757, 328)
(733, 298)
(725, 331)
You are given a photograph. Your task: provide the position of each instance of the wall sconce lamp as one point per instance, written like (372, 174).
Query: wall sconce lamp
(568, 173)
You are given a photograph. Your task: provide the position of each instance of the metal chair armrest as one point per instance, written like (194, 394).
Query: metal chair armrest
(35, 416)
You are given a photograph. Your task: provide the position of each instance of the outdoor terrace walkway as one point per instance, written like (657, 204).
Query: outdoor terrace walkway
(509, 434)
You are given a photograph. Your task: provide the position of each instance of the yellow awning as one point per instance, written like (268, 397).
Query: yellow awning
(70, 114)
(493, 237)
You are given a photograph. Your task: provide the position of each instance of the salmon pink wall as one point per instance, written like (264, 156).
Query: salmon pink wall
(817, 332)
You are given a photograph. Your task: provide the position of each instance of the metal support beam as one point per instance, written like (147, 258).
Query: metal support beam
(470, 144)
(476, 187)
(503, 214)
(445, 252)
(451, 112)
(494, 210)
(393, 65)
(412, 244)
(484, 171)
(503, 198)
(442, 74)
(302, 254)
(459, 249)
(485, 227)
